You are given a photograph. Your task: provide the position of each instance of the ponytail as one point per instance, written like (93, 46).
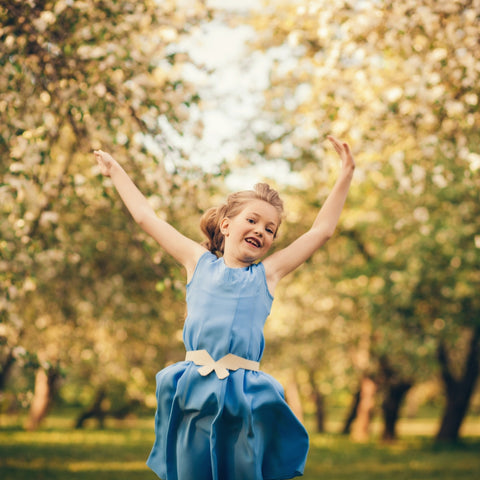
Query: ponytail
(210, 225)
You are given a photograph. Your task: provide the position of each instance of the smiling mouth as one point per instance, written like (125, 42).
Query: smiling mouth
(253, 241)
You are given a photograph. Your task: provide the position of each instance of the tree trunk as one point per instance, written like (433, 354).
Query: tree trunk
(95, 411)
(319, 401)
(392, 402)
(293, 397)
(352, 413)
(395, 390)
(361, 426)
(45, 383)
(458, 390)
(6, 366)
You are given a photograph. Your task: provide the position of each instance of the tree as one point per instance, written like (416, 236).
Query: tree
(398, 80)
(77, 75)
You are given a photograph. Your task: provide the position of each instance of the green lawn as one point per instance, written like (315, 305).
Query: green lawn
(119, 453)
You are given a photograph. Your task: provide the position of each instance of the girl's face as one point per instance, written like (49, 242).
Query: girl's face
(249, 235)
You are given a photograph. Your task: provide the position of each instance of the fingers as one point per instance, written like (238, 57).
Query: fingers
(101, 157)
(340, 147)
(103, 161)
(346, 149)
(344, 152)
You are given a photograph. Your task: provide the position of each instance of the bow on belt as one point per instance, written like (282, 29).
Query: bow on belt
(222, 366)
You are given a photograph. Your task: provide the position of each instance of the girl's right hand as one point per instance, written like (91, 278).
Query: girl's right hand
(343, 150)
(105, 162)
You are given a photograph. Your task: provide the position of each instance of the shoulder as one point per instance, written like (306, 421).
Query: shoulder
(207, 258)
(203, 263)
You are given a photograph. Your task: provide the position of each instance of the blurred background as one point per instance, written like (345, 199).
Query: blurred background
(196, 98)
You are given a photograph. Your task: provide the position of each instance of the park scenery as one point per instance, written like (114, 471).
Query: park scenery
(375, 340)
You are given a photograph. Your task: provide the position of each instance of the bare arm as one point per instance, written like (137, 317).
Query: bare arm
(183, 249)
(288, 259)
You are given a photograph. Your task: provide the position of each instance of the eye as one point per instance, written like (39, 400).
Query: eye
(250, 220)
(269, 230)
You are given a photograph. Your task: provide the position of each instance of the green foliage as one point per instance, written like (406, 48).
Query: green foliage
(77, 277)
(397, 80)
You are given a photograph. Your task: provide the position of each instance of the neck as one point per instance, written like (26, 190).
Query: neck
(232, 262)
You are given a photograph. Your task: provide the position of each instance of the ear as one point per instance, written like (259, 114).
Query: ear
(224, 226)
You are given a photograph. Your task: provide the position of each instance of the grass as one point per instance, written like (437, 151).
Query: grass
(56, 452)
(412, 459)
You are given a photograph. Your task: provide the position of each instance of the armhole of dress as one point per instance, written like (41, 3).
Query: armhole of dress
(264, 279)
(200, 260)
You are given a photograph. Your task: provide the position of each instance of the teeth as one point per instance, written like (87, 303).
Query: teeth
(253, 242)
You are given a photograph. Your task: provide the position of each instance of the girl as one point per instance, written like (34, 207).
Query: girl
(218, 416)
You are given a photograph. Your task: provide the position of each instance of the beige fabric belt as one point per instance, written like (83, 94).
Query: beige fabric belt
(222, 366)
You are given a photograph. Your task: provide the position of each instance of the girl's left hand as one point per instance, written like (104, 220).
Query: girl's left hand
(343, 150)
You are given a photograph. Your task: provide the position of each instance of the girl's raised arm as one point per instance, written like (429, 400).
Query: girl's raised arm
(288, 259)
(183, 249)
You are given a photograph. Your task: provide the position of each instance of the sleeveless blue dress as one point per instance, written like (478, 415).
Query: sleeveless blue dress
(237, 428)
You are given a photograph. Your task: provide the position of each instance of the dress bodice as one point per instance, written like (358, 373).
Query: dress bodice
(227, 308)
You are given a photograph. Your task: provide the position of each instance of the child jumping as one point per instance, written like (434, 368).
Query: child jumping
(219, 417)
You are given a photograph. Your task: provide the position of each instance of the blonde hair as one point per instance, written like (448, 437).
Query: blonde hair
(212, 218)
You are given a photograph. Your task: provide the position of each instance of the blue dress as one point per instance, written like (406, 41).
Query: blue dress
(237, 428)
